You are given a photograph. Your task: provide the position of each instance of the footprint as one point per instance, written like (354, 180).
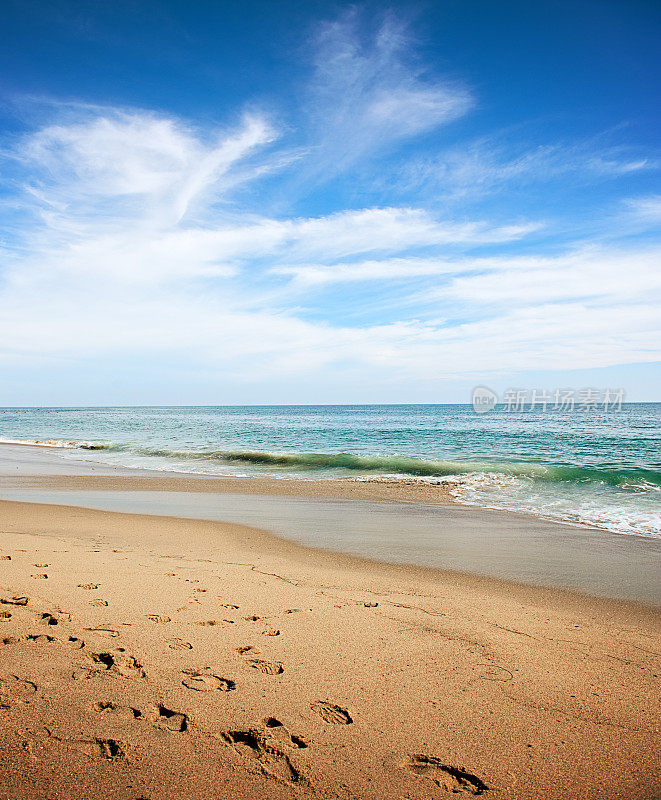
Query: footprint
(75, 643)
(83, 673)
(157, 618)
(89, 585)
(5, 558)
(110, 749)
(49, 619)
(271, 632)
(14, 688)
(41, 566)
(260, 745)
(103, 660)
(447, 777)
(39, 637)
(98, 602)
(131, 668)
(106, 706)
(179, 644)
(283, 734)
(211, 622)
(267, 667)
(172, 720)
(252, 618)
(248, 648)
(206, 682)
(126, 666)
(329, 712)
(41, 576)
(15, 601)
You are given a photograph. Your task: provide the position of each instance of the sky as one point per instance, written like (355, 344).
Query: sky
(209, 203)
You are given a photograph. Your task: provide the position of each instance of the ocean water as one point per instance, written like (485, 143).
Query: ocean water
(586, 467)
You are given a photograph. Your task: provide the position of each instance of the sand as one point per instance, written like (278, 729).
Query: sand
(155, 657)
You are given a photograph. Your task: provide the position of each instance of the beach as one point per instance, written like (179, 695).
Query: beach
(157, 657)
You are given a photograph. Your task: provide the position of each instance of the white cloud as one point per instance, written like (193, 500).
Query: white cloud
(489, 164)
(367, 94)
(598, 274)
(644, 211)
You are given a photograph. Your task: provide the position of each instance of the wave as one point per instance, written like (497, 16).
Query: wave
(635, 480)
(43, 443)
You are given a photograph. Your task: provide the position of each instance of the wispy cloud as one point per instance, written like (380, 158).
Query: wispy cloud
(491, 164)
(367, 93)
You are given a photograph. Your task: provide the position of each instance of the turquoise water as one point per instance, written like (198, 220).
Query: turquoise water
(597, 468)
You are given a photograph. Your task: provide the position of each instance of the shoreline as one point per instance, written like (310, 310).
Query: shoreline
(398, 522)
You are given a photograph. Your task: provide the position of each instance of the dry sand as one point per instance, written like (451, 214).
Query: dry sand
(147, 657)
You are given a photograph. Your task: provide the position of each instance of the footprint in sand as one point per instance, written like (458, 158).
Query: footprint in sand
(41, 566)
(89, 585)
(108, 707)
(126, 666)
(211, 622)
(271, 632)
(206, 682)
(267, 746)
(49, 619)
(285, 736)
(99, 603)
(247, 648)
(157, 618)
(179, 644)
(329, 712)
(171, 720)
(41, 576)
(15, 689)
(267, 667)
(5, 558)
(15, 601)
(110, 749)
(456, 780)
(40, 637)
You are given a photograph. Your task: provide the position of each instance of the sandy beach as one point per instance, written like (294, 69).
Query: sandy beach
(156, 657)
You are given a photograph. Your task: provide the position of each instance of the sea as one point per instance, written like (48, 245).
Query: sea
(586, 467)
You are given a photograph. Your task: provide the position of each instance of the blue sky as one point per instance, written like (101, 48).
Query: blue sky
(209, 203)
